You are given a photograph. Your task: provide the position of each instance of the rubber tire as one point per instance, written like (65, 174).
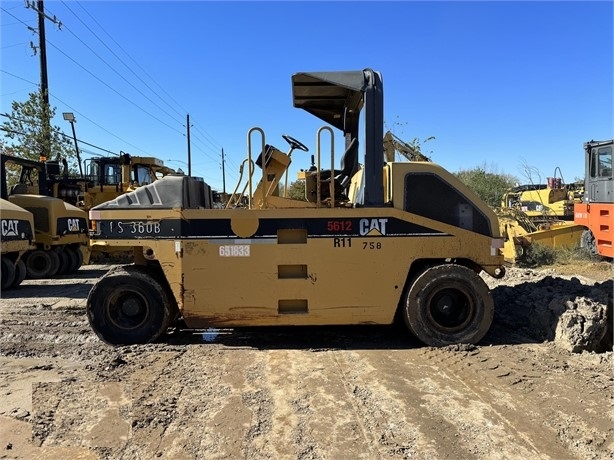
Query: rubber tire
(466, 290)
(73, 261)
(132, 288)
(38, 264)
(79, 254)
(7, 272)
(20, 273)
(55, 263)
(64, 262)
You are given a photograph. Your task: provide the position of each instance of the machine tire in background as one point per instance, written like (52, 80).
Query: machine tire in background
(41, 263)
(64, 262)
(79, 256)
(73, 261)
(55, 263)
(448, 304)
(20, 273)
(7, 271)
(128, 306)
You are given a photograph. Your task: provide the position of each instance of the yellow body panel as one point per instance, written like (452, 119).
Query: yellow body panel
(14, 237)
(294, 278)
(48, 212)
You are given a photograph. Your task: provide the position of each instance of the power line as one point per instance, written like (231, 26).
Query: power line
(132, 59)
(115, 91)
(18, 77)
(14, 17)
(104, 83)
(96, 124)
(207, 138)
(116, 56)
(76, 111)
(111, 67)
(60, 133)
(139, 66)
(13, 45)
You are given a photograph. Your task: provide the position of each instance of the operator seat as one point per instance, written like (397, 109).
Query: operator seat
(267, 153)
(342, 177)
(19, 189)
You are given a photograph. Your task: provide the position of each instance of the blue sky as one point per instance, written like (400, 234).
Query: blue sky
(502, 85)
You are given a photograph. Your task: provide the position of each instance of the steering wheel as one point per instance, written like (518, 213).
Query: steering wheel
(294, 143)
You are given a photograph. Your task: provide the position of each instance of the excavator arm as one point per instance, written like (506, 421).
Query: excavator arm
(393, 144)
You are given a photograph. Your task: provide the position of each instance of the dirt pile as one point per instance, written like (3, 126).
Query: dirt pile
(573, 312)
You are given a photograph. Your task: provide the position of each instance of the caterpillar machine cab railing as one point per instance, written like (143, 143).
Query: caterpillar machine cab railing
(373, 240)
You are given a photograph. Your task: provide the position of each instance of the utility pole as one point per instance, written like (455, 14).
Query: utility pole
(42, 45)
(223, 174)
(189, 147)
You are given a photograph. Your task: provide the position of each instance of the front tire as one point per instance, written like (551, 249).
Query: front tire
(448, 304)
(128, 306)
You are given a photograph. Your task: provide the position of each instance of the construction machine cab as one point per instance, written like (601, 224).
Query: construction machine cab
(337, 98)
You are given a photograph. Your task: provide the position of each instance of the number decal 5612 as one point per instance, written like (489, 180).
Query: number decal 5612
(339, 226)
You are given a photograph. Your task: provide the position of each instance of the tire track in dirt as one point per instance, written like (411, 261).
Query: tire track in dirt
(513, 421)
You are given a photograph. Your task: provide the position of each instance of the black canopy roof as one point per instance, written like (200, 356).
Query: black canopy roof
(327, 95)
(337, 98)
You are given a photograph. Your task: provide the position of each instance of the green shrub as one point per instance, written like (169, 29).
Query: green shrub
(537, 255)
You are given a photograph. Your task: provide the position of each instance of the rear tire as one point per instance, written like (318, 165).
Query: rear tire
(128, 306)
(7, 272)
(448, 304)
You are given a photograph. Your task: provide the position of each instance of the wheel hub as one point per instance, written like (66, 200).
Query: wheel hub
(131, 307)
(450, 309)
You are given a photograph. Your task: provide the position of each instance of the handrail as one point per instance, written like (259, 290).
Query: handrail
(249, 157)
(234, 193)
(332, 166)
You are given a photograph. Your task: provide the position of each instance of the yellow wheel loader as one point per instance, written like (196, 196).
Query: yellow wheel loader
(374, 240)
(17, 237)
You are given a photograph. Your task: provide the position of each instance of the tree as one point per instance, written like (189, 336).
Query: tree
(24, 127)
(296, 190)
(489, 186)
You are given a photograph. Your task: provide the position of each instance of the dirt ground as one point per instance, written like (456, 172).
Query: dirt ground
(539, 386)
